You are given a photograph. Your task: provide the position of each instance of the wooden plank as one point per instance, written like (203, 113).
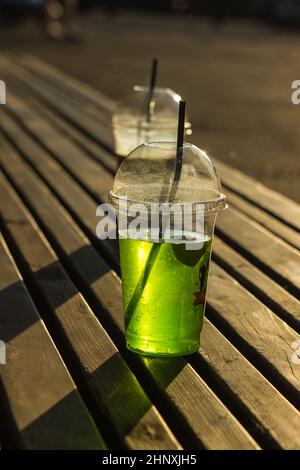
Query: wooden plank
(68, 83)
(97, 111)
(262, 412)
(78, 201)
(214, 428)
(100, 154)
(268, 291)
(117, 394)
(285, 374)
(14, 79)
(64, 150)
(258, 332)
(275, 226)
(88, 175)
(100, 133)
(110, 291)
(267, 250)
(44, 408)
(21, 88)
(272, 202)
(81, 171)
(233, 372)
(107, 289)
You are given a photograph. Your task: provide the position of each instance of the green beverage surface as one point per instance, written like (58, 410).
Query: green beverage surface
(164, 293)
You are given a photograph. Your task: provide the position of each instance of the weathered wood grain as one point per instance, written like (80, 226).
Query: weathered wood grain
(71, 194)
(263, 284)
(69, 84)
(277, 227)
(270, 201)
(44, 408)
(277, 257)
(272, 424)
(106, 292)
(19, 86)
(265, 250)
(64, 150)
(275, 415)
(251, 322)
(97, 131)
(271, 293)
(116, 392)
(78, 201)
(228, 433)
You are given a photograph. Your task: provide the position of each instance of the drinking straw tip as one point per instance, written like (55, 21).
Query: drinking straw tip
(181, 122)
(152, 86)
(153, 75)
(179, 149)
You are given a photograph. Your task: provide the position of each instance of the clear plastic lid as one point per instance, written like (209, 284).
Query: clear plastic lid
(147, 176)
(135, 112)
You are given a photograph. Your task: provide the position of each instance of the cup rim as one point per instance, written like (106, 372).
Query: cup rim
(208, 206)
(157, 125)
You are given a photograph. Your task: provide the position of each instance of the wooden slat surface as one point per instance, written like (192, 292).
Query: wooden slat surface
(276, 257)
(244, 326)
(243, 381)
(270, 253)
(278, 228)
(98, 153)
(36, 391)
(94, 129)
(283, 262)
(116, 392)
(271, 293)
(228, 433)
(104, 292)
(281, 300)
(70, 85)
(275, 204)
(272, 202)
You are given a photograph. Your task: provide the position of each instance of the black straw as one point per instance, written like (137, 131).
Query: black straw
(152, 86)
(179, 149)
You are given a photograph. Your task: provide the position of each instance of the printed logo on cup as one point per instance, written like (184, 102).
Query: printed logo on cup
(2, 352)
(2, 92)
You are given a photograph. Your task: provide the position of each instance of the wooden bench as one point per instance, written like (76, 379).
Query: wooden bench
(69, 381)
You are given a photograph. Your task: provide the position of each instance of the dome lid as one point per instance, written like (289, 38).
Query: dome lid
(147, 176)
(163, 108)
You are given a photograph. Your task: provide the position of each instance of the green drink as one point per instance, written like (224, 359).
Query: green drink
(166, 196)
(167, 317)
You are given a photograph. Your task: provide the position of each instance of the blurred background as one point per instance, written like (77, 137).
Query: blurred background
(232, 60)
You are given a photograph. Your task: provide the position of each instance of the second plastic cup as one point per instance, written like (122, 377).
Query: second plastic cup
(165, 267)
(136, 121)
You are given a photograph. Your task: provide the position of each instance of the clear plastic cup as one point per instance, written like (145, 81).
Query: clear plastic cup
(165, 262)
(136, 120)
